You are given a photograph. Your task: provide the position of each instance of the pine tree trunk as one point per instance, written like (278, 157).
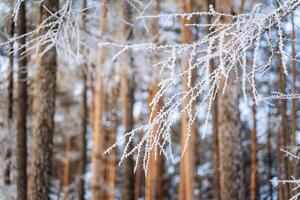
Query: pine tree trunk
(139, 179)
(279, 166)
(83, 123)
(7, 170)
(269, 157)
(253, 173)
(21, 155)
(92, 100)
(283, 167)
(111, 160)
(44, 113)
(82, 142)
(215, 142)
(230, 150)
(98, 131)
(154, 178)
(10, 96)
(67, 167)
(294, 101)
(11, 67)
(105, 158)
(229, 137)
(187, 164)
(127, 99)
(284, 138)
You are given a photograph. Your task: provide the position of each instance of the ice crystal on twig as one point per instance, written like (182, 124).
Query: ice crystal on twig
(292, 152)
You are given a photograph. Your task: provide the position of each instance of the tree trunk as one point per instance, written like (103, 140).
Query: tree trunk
(187, 164)
(10, 100)
(111, 158)
(229, 137)
(92, 100)
(139, 179)
(82, 142)
(127, 99)
(11, 67)
(83, 123)
(98, 131)
(294, 101)
(283, 167)
(279, 163)
(154, 178)
(215, 142)
(68, 167)
(44, 113)
(21, 155)
(105, 158)
(269, 157)
(253, 173)
(230, 150)
(284, 138)
(7, 170)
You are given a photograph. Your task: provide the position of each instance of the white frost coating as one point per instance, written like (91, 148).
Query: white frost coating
(292, 152)
(16, 10)
(64, 33)
(227, 45)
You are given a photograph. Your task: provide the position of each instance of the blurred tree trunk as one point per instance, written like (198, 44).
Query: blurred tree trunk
(229, 137)
(82, 144)
(98, 131)
(127, 99)
(7, 170)
(68, 167)
(154, 178)
(198, 160)
(21, 155)
(105, 158)
(84, 116)
(10, 95)
(11, 66)
(294, 101)
(187, 164)
(279, 161)
(44, 113)
(269, 157)
(215, 142)
(92, 99)
(279, 171)
(284, 135)
(10, 88)
(139, 178)
(253, 173)
(111, 160)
